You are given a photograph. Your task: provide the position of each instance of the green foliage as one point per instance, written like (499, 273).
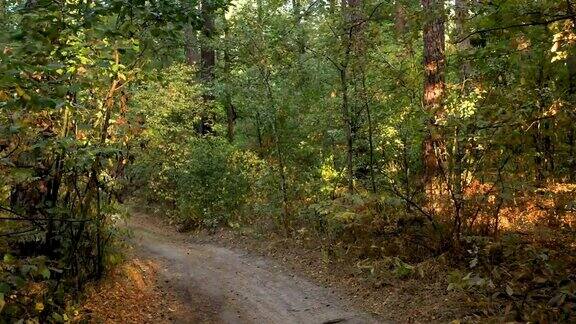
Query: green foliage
(64, 141)
(322, 107)
(210, 189)
(519, 275)
(200, 177)
(28, 289)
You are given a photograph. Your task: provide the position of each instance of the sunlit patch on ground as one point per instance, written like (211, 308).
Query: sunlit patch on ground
(130, 294)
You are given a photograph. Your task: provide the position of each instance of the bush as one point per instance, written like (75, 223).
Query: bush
(194, 177)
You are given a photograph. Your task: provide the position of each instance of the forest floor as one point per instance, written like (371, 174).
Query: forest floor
(231, 276)
(189, 280)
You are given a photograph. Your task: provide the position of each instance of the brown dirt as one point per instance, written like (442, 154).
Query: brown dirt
(418, 299)
(133, 293)
(224, 285)
(421, 298)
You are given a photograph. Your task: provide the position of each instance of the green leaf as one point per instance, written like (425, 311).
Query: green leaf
(45, 272)
(8, 258)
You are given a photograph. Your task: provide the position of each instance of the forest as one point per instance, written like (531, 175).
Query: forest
(426, 149)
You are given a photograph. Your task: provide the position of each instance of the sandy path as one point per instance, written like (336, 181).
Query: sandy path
(226, 286)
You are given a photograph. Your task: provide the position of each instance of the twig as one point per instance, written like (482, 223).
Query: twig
(18, 232)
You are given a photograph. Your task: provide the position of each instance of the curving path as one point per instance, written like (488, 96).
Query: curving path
(225, 286)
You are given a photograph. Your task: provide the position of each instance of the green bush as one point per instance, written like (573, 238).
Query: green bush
(194, 177)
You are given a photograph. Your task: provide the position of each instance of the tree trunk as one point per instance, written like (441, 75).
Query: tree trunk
(208, 60)
(191, 46)
(457, 156)
(464, 46)
(434, 86)
(371, 143)
(300, 36)
(350, 13)
(347, 128)
(401, 28)
(230, 110)
(571, 66)
(207, 52)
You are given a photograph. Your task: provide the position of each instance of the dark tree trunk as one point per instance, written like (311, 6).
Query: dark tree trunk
(191, 45)
(207, 52)
(571, 66)
(457, 156)
(228, 104)
(350, 16)
(347, 129)
(208, 60)
(434, 57)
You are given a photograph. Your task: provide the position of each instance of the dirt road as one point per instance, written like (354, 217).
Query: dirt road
(225, 286)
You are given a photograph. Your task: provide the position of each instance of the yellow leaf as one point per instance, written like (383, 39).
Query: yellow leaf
(20, 91)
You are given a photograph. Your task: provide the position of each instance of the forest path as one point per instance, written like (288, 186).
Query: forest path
(225, 286)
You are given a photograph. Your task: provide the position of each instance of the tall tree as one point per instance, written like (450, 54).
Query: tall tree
(207, 57)
(207, 51)
(461, 8)
(434, 84)
(350, 22)
(571, 67)
(228, 104)
(191, 48)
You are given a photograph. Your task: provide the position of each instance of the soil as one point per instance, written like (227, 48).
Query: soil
(217, 284)
(420, 298)
(134, 293)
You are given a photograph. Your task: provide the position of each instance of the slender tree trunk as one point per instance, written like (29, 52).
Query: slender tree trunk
(278, 146)
(539, 130)
(347, 128)
(457, 156)
(350, 13)
(572, 152)
(332, 6)
(406, 166)
(208, 60)
(207, 52)
(258, 120)
(230, 109)
(400, 21)
(300, 36)
(571, 66)
(191, 46)
(282, 173)
(2, 10)
(259, 131)
(260, 11)
(434, 85)
(401, 28)
(370, 129)
(371, 143)
(464, 46)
